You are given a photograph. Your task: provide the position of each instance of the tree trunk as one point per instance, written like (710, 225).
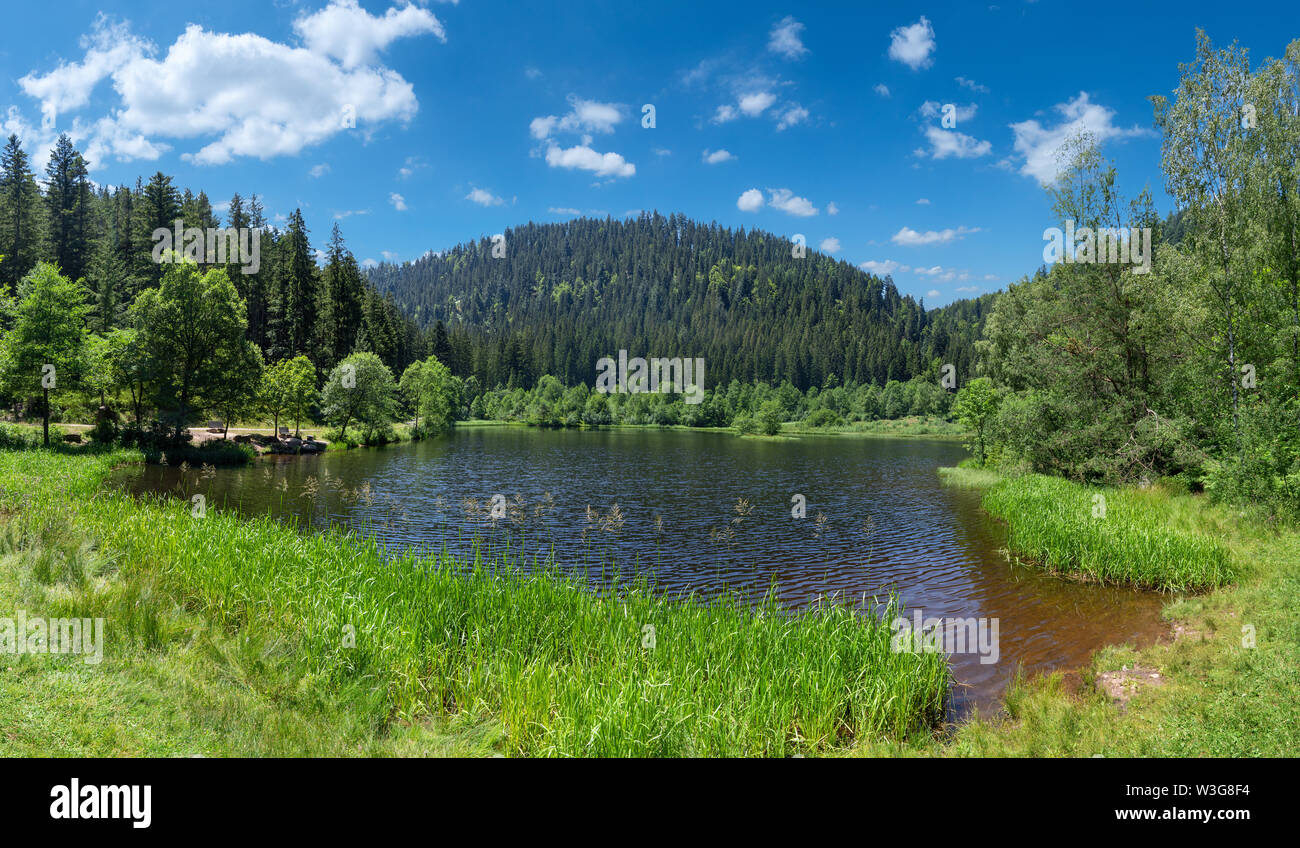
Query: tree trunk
(46, 416)
(1233, 373)
(180, 416)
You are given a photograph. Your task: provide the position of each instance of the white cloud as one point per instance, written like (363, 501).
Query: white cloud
(832, 208)
(249, 95)
(714, 157)
(830, 245)
(345, 31)
(796, 114)
(950, 143)
(881, 269)
(320, 170)
(932, 293)
(484, 198)
(564, 210)
(911, 238)
(399, 202)
(542, 127)
(584, 116)
(109, 47)
(785, 38)
(755, 104)
(924, 201)
(933, 109)
(881, 89)
(972, 85)
(989, 278)
(786, 201)
(412, 164)
(583, 158)
(339, 216)
(750, 201)
(1039, 145)
(662, 151)
(969, 289)
(939, 273)
(369, 263)
(389, 256)
(912, 45)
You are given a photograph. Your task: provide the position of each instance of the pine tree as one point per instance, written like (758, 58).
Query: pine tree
(21, 218)
(158, 208)
(67, 200)
(344, 290)
(300, 289)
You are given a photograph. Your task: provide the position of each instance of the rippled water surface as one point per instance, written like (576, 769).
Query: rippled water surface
(877, 520)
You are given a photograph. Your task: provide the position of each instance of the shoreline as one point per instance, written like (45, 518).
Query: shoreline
(1111, 706)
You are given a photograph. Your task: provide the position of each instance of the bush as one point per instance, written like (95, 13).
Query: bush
(14, 437)
(105, 431)
(770, 417)
(823, 418)
(211, 452)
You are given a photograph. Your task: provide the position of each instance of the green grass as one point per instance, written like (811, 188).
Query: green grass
(968, 477)
(1227, 666)
(1112, 535)
(537, 664)
(172, 684)
(913, 427)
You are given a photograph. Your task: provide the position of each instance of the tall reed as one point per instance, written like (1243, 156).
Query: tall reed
(1113, 535)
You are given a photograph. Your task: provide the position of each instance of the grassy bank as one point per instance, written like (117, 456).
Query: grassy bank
(1112, 535)
(1221, 684)
(389, 655)
(933, 428)
(913, 427)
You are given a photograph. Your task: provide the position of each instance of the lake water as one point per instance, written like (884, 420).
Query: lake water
(705, 512)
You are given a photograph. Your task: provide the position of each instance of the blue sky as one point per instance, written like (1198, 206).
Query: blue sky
(473, 116)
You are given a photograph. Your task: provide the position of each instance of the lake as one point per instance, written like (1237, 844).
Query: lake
(704, 512)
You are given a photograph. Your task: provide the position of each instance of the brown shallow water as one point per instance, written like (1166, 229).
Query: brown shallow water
(877, 521)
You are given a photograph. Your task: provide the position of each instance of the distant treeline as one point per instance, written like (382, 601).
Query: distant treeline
(749, 407)
(564, 295)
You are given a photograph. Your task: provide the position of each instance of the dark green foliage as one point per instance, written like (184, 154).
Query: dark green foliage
(567, 294)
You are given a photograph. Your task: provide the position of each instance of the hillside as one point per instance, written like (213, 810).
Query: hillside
(566, 294)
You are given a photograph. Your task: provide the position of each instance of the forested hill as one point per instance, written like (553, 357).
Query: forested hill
(566, 294)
